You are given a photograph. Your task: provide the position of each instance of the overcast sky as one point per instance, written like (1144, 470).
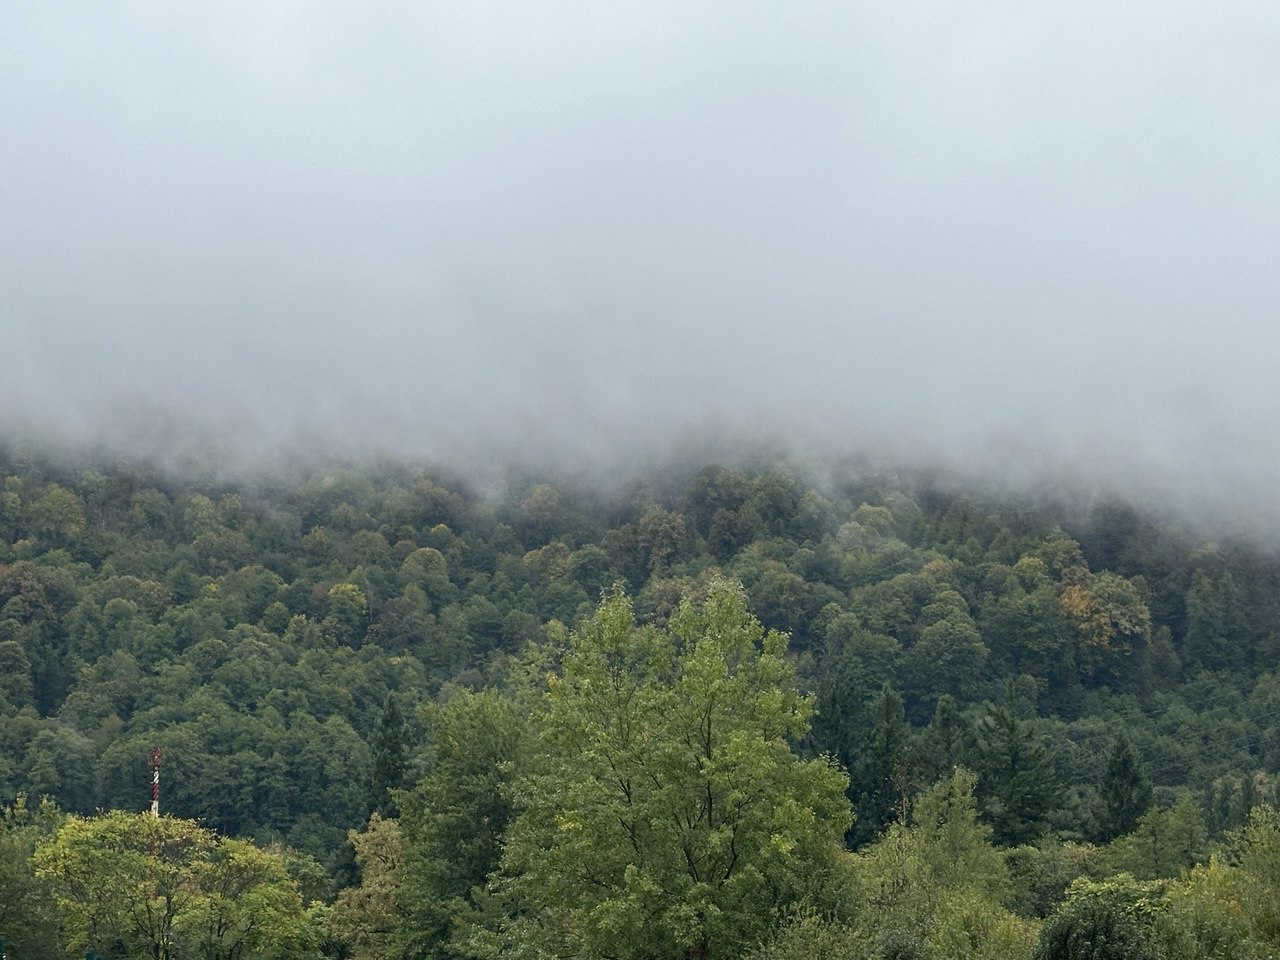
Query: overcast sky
(435, 227)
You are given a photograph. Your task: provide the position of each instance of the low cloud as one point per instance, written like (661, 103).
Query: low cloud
(1024, 240)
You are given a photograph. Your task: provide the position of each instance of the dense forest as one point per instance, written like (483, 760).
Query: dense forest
(756, 710)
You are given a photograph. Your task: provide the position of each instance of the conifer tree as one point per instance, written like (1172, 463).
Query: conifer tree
(883, 770)
(1019, 785)
(1164, 843)
(1125, 790)
(947, 742)
(388, 758)
(1215, 638)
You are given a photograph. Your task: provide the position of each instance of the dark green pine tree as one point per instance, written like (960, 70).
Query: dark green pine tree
(1018, 785)
(883, 769)
(946, 743)
(1126, 791)
(388, 759)
(1216, 634)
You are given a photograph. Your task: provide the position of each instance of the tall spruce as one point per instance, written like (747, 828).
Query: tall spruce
(883, 770)
(947, 742)
(1017, 780)
(388, 759)
(1126, 791)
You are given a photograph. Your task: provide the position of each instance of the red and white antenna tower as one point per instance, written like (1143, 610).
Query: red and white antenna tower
(154, 759)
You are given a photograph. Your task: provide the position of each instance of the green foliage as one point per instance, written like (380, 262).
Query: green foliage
(970, 925)
(1213, 914)
(388, 750)
(364, 918)
(881, 765)
(1023, 625)
(811, 935)
(938, 884)
(1215, 635)
(1164, 843)
(949, 655)
(667, 814)
(134, 884)
(1040, 875)
(947, 742)
(15, 677)
(258, 630)
(1253, 887)
(247, 905)
(1019, 786)
(347, 614)
(454, 819)
(1111, 920)
(1126, 791)
(954, 843)
(28, 920)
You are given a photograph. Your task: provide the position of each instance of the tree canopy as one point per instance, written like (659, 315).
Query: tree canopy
(132, 884)
(668, 814)
(312, 648)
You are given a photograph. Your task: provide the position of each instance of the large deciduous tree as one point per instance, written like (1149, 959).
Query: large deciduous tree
(136, 885)
(1111, 920)
(667, 814)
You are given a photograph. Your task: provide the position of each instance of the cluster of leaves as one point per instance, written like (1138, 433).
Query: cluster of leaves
(128, 884)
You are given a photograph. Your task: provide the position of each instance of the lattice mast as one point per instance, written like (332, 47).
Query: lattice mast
(154, 759)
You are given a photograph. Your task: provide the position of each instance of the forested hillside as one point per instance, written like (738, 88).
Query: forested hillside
(420, 718)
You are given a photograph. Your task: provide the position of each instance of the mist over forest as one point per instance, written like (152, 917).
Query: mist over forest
(1015, 240)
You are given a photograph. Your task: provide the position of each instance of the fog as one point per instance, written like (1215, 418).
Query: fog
(1027, 238)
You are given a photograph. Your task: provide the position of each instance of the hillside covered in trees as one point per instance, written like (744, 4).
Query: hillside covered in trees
(754, 710)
